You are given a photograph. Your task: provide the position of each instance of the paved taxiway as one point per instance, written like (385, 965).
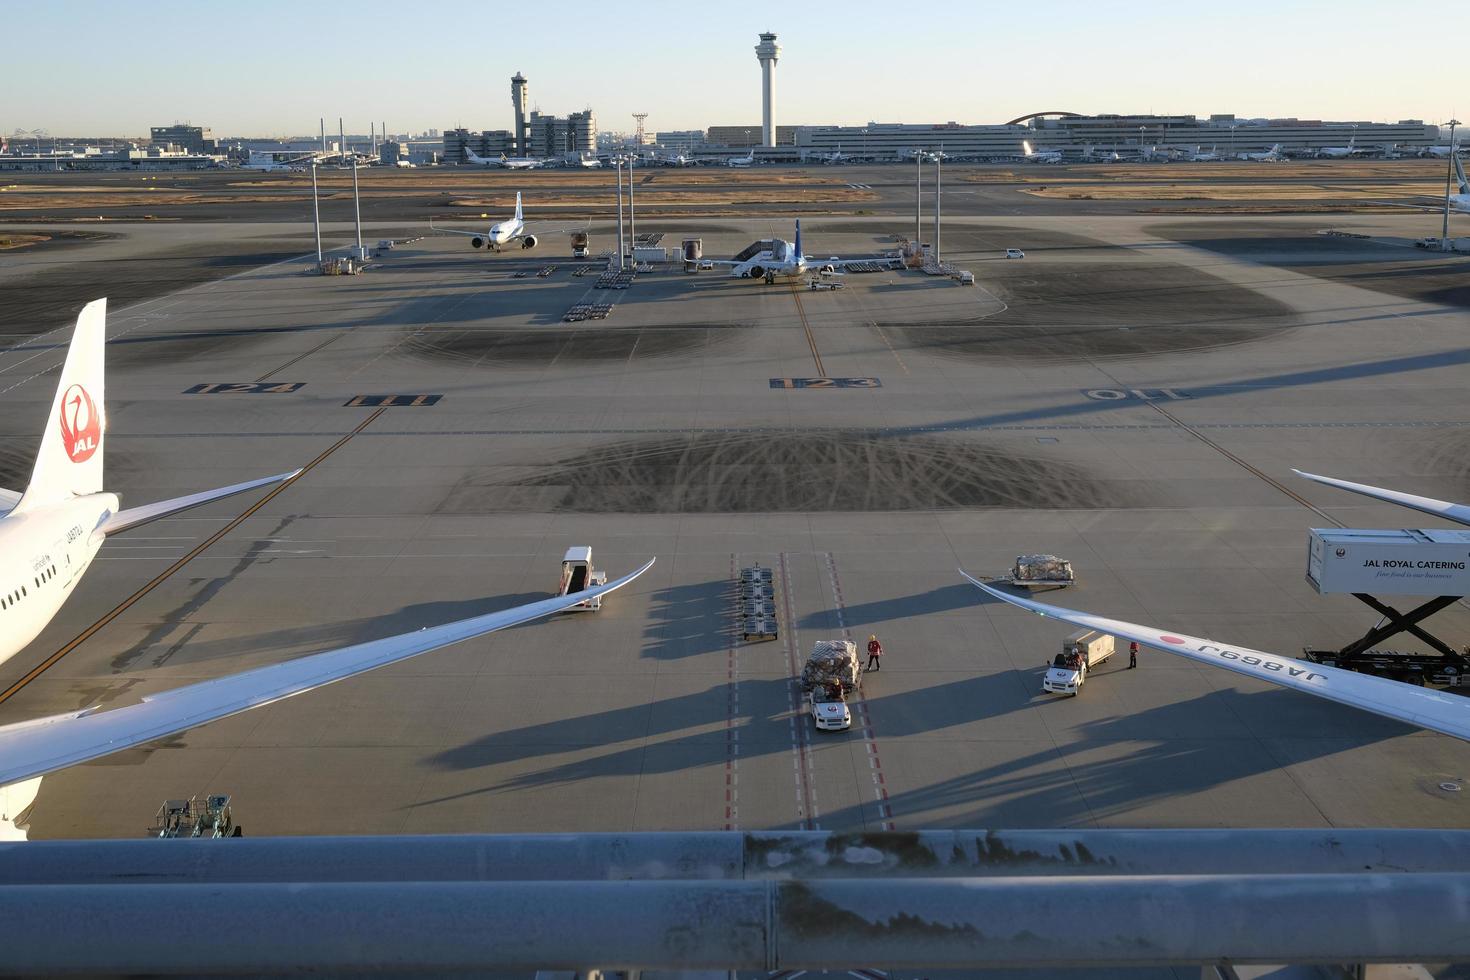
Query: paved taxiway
(1008, 420)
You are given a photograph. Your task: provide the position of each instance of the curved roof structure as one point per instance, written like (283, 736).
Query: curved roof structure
(1037, 115)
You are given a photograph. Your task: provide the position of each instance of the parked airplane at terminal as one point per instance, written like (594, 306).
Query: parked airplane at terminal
(777, 257)
(1273, 155)
(1459, 513)
(1039, 156)
(1440, 151)
(1422, 707)
(744, 161)
(504, 232)
(31, 749)
(1339, 152)
(1199, 157)
(50, 533)
(836, 157)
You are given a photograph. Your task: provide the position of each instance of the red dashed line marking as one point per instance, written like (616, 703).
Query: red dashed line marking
(864, 715)
(732, 707)
(807, 812)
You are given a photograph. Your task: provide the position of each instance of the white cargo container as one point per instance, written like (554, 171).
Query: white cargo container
(1389, 562)
(1081, 652)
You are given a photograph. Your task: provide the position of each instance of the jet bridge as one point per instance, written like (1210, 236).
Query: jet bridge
(1357, 562)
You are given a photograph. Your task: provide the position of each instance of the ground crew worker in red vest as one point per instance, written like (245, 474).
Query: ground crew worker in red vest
(875, 654)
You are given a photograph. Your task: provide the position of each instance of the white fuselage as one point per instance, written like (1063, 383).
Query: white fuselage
(43, 554)
(781, 259)
(505, 232)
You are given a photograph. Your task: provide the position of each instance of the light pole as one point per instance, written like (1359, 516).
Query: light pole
(618, 163)
(1444, 235)
(1232, 141)
(316, 215)
(938, 200)
(632, 221)
(357, 209)
(918, 206)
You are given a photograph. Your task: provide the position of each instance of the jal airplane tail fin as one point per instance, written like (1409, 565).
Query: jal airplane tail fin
(1026, 147)
(518, 205)
(69, 462)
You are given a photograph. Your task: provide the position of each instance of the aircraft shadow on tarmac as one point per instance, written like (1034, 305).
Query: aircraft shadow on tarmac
(857, 617)
(1173, 750)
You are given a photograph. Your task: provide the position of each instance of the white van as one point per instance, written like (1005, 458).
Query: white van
(1015, 253)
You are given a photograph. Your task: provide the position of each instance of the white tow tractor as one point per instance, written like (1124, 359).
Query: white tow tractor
(1082, 651)
(578, 575)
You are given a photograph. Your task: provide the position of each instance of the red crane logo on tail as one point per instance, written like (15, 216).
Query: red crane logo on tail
(81, 425)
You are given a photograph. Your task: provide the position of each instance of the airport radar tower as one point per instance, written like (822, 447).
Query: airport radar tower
(766, 53)
(522, 134)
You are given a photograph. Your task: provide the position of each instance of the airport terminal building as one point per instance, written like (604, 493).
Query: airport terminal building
(1074, 135)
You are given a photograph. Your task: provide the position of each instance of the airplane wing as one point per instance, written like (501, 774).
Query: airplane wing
(33, 748)
(131, 517)
(1459, 513)
(552, 231)
(1437, 711)
(455, 231)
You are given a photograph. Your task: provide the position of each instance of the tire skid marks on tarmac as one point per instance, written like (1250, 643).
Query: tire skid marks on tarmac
(865, 717)
(808, 813)
(732, 704)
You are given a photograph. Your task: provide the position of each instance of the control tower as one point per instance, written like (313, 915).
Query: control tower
(521, 138)
(766, 53)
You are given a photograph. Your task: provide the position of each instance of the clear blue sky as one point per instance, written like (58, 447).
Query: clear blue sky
(270, 67)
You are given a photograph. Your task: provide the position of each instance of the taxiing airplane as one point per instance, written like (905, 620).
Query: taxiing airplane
(1039, 156)
(744, 161)
(31, 749)
(1422, 707)
(50, 533)
(504, 232)
(836, 156)
(780, 258)
(1198, 157)
(503, 161)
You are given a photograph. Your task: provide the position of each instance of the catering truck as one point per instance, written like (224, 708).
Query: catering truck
(1081, 652)
(1366, 563)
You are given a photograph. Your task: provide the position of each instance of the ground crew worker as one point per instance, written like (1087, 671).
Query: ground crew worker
(1132, 654)
(875, 654)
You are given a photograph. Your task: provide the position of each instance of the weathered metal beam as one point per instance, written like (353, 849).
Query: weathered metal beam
(734, 856)
(952, 923)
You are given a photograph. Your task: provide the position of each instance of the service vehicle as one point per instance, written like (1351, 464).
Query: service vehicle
(1015, 253)
(829, 709)
(578, 575)
(1034, 571)
(1081, 652)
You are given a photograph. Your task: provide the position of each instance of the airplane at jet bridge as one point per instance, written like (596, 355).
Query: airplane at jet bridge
(51, 532)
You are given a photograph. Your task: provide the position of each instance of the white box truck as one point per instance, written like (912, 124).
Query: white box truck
(1081, 652)
(578, 575)
(1388, 562)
